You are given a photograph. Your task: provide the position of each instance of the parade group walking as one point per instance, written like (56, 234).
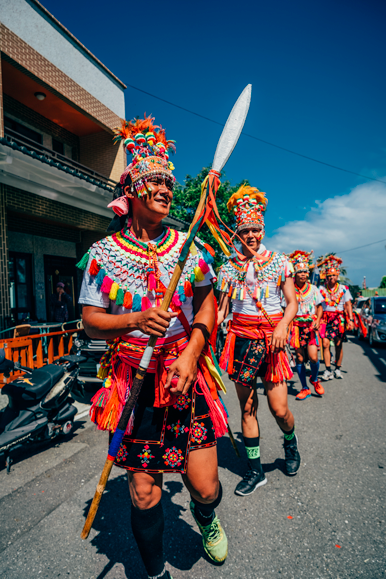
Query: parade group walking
(180, 413)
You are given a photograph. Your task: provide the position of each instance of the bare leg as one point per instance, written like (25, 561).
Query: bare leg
(326, 351)
(338, 352)
(313, 353)
(248, 404)
(201, 478)
(277, 395)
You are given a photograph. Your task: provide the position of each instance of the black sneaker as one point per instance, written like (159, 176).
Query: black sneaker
(251, 481)
(292, 456)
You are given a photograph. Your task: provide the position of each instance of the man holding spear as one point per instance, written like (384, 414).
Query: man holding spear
(166, 414)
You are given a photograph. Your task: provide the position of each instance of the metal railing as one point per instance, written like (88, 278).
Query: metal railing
(21, 140)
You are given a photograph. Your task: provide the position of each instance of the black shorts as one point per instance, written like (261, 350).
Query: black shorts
(248, 361)
(162, 438)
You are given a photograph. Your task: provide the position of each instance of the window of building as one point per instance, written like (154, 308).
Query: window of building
(58, 147)
(22, 130)
(20, 282)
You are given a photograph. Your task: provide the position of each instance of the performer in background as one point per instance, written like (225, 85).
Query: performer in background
(304, 333)
(337, 310)
(257, 335)
(179, 414)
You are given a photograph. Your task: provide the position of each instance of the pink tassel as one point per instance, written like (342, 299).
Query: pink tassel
(151, 284)
(145, 304)
(106, 285)
(176, 300)
(203, 266)
(130, 425)
(120, 206)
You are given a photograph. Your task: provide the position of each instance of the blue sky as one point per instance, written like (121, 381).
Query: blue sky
(318, 87)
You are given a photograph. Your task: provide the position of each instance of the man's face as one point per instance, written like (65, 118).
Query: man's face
(331, 280)
(252, 238)
(158, 200)
(301, 277)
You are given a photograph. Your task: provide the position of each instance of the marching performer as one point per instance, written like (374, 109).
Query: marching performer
(179, 414)
(304, 334)
(257, 334)
(337, 308)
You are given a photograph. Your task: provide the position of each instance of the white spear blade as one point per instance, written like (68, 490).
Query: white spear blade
(232, 129)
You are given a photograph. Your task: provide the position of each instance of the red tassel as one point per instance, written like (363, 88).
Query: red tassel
(227, 356)
(106, 285)
(128, 301)
(145, 304)
(151, 283)
(94, 267)
(188, 289)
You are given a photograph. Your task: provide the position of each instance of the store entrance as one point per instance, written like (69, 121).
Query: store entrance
(62, 269)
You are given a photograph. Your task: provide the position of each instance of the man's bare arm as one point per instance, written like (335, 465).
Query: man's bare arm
(100, 325)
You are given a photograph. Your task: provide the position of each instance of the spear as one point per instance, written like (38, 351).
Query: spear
(204, 212)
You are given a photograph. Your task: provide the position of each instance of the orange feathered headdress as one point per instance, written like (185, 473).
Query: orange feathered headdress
(301, 260)
(248, 205)
(150, 149)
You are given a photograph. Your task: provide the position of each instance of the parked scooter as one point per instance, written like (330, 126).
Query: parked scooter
(39, 408)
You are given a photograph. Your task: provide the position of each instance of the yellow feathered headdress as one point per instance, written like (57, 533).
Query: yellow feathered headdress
(248, 205)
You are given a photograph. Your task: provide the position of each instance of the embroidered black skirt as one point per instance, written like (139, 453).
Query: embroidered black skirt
(248, 361)
(162, 438)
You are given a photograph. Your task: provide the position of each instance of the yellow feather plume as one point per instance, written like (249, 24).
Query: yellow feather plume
(252, 192)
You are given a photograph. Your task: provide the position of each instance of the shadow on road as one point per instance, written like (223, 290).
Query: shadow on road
(228, 460)
(115, 539)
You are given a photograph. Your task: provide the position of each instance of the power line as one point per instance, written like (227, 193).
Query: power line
(256, 138)
(360, 246)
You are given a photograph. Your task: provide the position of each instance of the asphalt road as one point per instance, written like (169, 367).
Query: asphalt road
(327, 522)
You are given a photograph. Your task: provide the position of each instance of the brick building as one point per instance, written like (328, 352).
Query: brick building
(58, 166)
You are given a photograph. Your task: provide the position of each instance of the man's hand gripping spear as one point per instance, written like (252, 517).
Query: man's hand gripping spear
(206, 212)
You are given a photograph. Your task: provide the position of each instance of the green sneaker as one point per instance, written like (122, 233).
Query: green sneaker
(214, 539)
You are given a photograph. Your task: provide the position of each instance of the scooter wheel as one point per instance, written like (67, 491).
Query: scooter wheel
(67, 427)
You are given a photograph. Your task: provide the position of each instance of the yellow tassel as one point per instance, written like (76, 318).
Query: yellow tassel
(219, 240)
(198, 274)
(102, 373)
(114, 291)
(258, 293)
(267, 291)
(193, 249)
(234, 294)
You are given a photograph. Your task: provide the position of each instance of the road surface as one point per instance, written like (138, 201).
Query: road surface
(327, 522)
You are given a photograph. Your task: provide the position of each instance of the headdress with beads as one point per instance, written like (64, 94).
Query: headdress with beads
(150, 149)
(248, 205)
(301, 260)
(330, 265)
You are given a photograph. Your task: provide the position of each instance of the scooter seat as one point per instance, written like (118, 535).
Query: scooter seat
(36, 385)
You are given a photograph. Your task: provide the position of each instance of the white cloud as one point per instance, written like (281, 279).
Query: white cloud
(341, 223)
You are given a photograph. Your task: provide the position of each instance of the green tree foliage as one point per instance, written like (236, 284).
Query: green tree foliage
(185, 201)
(383, 282)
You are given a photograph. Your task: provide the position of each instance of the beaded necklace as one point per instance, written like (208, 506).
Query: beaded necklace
(270, 268)
(334, 298)
(127, 269)
(304, 297)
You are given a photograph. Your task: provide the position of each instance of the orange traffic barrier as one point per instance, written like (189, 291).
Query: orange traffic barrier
(29, 351)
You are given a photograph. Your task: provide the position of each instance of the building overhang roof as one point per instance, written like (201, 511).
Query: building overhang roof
(26, 170)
